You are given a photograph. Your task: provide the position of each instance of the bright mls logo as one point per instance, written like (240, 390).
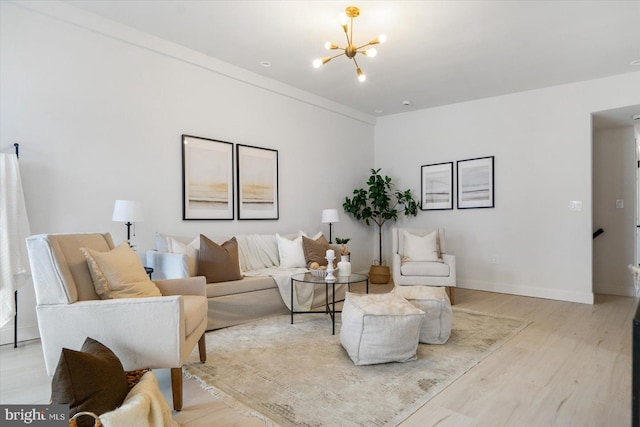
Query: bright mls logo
(35, 415)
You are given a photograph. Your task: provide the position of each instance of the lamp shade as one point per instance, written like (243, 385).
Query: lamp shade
(329, 216)
(127, 211)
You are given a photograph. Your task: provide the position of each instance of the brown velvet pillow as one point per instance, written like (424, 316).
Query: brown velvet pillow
(315, 250)
(218, 263)
(91, 379)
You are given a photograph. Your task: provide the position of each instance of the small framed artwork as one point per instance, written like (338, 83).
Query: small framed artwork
(437, 186)
(476, 183)
(207, 178)
(257, 182)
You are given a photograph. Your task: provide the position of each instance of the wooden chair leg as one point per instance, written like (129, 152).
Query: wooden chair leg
(176, 388)
(202, 348)
(451, 294)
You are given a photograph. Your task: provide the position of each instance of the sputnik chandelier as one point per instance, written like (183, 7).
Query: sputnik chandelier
(351, 50)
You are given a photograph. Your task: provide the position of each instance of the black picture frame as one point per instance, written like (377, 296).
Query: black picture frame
(476, 183)
(207, 179)
(257, 179)
(436, 186)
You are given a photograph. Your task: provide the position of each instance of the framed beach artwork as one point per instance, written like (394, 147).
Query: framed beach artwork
(437, 186)
(207, 178)
(257, 182)
(476, 183)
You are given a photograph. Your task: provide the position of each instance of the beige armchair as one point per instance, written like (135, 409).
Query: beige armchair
(152, 332)
(425, 273)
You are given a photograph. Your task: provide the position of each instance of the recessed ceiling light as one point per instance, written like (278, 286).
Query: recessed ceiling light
(377, 111)
(636, 117)
(265, 64)
(406, 102)
(636, 62)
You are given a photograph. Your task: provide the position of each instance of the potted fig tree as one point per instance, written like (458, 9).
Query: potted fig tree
(380, 203)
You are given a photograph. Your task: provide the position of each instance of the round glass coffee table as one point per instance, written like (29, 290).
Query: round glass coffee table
(330, 306)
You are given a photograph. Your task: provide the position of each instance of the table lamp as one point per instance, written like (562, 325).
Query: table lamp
(329, 216)
(127, 211)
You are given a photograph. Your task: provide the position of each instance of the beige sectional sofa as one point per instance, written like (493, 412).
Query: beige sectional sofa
(255, 296)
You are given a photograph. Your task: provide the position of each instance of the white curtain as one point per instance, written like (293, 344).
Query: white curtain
(14, 229)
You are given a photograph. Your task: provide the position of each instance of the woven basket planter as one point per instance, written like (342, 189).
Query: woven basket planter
(379, 274)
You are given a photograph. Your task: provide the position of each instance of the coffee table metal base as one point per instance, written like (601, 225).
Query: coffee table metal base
(329, 306)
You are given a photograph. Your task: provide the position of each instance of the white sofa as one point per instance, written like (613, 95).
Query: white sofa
(255, 296)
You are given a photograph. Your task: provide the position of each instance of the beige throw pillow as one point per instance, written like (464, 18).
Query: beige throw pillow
(119, 273)
(421, 248)
(218, 263)
(315, 250)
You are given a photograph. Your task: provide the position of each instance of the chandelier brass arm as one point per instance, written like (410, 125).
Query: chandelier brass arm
(350, 51)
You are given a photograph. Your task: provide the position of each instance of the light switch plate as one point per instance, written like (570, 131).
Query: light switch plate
(575, 206)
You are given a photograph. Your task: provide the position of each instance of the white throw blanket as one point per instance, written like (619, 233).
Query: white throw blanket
(303, 292)
(144, 406)
(14, 229)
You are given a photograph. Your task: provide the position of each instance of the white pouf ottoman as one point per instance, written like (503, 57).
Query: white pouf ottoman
(380, 328)
(434, 301)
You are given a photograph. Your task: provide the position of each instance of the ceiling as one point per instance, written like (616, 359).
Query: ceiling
(437, 53)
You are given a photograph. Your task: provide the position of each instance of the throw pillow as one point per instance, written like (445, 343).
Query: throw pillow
(421, 248)
(315, 250)
(291, 252)
(91, 379)
(190, 250)
(218, 263)
(119, 273)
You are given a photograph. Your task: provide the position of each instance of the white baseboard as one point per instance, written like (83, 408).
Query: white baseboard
(526, 291)
(25, 333)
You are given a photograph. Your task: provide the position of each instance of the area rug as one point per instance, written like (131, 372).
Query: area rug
(299, 375)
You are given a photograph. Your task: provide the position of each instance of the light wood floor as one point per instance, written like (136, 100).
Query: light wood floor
(570, 367)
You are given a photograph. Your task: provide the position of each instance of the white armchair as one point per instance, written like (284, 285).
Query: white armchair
(152, 332)
(425, 273)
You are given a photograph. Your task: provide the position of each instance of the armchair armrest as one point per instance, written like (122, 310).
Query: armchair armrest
(186, 286)
(396, 262)
(450, 260)
(134, 328)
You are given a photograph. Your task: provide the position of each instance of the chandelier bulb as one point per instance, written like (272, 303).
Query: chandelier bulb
(361, 76)
(343, 19)
(380, 39)
(371, 53)
(329, 46)
(317, 63)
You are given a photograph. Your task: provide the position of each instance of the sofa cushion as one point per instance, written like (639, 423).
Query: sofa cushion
(291, 252)
(421, 248)
(425, 268)
(257, 251)
(315, 250)
(234, 287)
(119, 273)
(218, 263)
(91, 379)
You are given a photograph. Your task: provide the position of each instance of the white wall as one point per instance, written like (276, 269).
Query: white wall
(541, 141)
(99, 111)
(614, 170)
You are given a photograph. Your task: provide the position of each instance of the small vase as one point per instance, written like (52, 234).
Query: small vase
(344, 266)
